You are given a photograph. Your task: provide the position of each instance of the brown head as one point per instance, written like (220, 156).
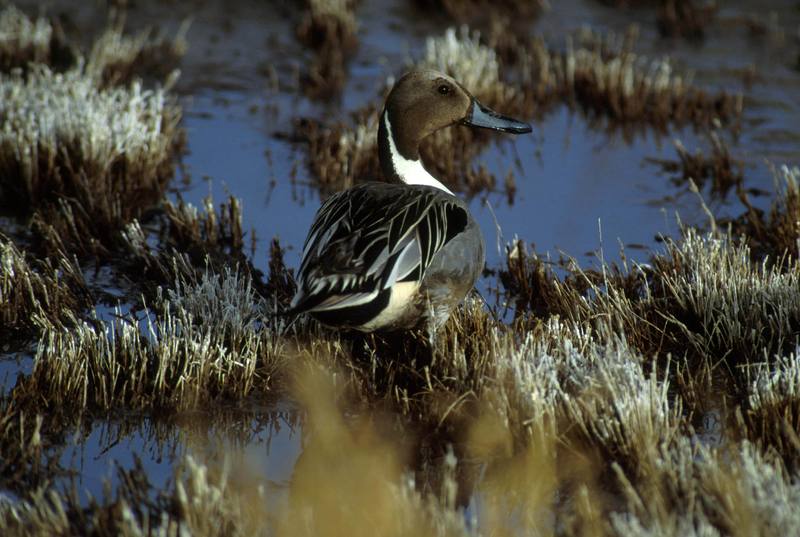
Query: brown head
(423, 101)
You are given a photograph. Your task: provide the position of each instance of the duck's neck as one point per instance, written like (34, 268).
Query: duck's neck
(401, 162)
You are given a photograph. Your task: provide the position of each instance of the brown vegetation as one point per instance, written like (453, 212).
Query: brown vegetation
(118, 59)
(38, 293)
(474, 12)
(720, 169)
(685, 18)
(25, 41)
(600, 75)
(329, 28)
(87, 160)
(612, 85)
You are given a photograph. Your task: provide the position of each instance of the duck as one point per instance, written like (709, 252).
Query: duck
(399, 254)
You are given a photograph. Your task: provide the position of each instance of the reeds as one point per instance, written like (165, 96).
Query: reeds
(329, 28)
(719, 169)
(578, 418)
(117, 59)
(600, 75)
(607, 80)
(23, 40)
(88, 160)
(199, 342)
(35, 294)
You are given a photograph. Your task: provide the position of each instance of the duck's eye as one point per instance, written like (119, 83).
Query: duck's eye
(444, 89)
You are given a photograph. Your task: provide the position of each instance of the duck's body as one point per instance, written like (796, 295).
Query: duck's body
(383, 256)
(387, 256)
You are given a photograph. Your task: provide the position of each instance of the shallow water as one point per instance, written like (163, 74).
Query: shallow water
(580, 191)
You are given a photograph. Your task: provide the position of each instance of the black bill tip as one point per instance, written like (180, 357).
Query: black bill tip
(486, 118)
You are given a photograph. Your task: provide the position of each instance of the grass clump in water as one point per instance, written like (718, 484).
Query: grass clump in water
(607, 80)
(775, 235)
(87, 160)
(601, 75)
(771, 417)
(25, 41)
(197, 343)
(720, 169)
(35, 294)
(118, 59)
(328, 27)
(704, 296)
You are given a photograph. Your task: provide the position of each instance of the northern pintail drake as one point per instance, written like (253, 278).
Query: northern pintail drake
(401, 254)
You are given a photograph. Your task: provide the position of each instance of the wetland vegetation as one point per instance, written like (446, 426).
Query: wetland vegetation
(647, 393)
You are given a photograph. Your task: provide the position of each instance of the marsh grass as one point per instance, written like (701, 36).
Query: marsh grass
(581, 413)
(352, 477)
(117, 59)
(771, 418)
(198, 343)
(36, 293)
(86, 160)
(775, 235)
(578, 418)
(329, 28)
(618, 89)
(25, 40)
(703, 296)
(720, 170)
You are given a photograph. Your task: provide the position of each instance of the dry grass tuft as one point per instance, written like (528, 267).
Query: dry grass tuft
(704, 297)
(685, 18)
(190, 238)
(328, 27)
(86, 160)
(772, 416)
(719, 168)
(608, 81)
(25, 41)
(197, 343)
(775, 236)
(207, 232)
(343, 154)
(36, 294)
(117, 59)
(694, 490)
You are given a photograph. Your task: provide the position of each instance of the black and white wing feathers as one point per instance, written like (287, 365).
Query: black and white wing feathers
(367, 238)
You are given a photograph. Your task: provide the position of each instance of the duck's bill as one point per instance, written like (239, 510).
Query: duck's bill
(486, 118)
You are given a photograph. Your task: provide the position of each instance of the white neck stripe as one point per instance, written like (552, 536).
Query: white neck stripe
(411, 172)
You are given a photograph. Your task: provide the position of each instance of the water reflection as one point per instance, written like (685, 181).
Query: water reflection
(100, 453)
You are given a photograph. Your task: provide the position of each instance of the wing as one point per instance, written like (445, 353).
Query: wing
(367, 238)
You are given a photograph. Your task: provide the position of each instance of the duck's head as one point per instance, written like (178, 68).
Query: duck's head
(423, 101)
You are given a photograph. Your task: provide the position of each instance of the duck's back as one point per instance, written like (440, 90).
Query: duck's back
(388, 256)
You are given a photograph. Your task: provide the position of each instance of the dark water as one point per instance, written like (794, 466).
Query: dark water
(580, 191)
